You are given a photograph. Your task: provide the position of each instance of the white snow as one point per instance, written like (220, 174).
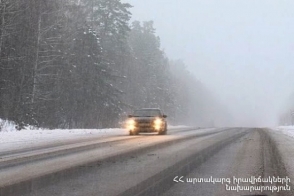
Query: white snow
(284, 139)
(7, 126)
(286, 130)
(10, 138)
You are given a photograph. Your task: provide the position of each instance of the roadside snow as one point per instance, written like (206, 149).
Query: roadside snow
(7, 126)
(283, 137)
(286, 130)
(11, 139)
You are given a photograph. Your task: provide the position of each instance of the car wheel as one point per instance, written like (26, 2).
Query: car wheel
(163, 132)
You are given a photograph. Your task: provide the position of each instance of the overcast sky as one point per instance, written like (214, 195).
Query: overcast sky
(243, 50)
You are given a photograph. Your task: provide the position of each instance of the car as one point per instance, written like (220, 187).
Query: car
(147, 120)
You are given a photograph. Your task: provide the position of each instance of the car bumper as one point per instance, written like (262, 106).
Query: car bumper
(146, 129)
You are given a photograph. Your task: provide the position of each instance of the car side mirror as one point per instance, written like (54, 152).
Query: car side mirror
(130, 116)
(164, 116)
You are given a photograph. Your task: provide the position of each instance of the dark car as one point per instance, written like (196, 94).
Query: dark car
(147, 120)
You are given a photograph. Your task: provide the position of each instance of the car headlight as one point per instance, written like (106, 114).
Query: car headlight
(158, 123)
(131, 124)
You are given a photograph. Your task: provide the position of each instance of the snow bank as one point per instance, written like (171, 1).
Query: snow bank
(286, 130)
(7, 126)
(10, 138)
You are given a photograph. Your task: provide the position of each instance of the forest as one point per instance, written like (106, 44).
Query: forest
(85, 64)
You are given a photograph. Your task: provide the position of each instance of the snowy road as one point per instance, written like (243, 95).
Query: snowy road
(148, 164)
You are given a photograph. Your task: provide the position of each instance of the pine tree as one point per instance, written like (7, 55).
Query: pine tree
(150, 77)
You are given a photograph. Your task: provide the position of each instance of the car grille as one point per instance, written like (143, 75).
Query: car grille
(144, 124)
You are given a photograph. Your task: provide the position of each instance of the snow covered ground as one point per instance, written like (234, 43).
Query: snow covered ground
(284, 140)
(10, 138)
(286, 130)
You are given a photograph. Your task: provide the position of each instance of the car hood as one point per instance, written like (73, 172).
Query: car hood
(144, 118)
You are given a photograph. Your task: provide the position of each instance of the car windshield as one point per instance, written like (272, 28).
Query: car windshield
(146, 113)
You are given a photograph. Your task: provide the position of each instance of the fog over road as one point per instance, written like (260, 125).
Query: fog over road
(148, 164)
(241, 50)
(72, 71)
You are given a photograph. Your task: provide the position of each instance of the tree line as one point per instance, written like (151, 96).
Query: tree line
(82, 64)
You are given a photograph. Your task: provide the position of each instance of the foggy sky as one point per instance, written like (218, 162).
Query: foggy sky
(241, 50)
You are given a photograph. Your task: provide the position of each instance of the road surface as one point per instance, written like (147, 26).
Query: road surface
(187, 161)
